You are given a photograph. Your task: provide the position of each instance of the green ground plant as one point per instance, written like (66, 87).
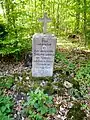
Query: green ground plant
(6, 82)
(83, 77)
(39, 105)
(5, 107)
(60, 57)
(83, 92)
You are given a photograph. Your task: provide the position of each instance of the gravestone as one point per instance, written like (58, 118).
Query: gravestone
(43, 51)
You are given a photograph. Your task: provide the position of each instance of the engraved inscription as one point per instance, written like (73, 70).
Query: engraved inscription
(43, 55)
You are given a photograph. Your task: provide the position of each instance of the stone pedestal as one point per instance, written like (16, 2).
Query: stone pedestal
(43, 52)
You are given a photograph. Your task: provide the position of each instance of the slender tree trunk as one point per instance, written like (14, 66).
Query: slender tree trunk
(77, 24)
(85, 22)
(58, 19)
(66, 16)
(53, 14)
(7, 12)
(14, 20)
(11, 18)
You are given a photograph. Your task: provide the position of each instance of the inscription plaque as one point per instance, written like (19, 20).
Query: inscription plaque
(43, 52)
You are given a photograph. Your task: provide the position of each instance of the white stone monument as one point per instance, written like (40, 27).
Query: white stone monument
(43, 51)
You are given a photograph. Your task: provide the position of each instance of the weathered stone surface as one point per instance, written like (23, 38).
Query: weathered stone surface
(43, 52)
(45, 20)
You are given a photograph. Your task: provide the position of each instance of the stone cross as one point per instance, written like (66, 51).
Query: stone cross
(45, 20)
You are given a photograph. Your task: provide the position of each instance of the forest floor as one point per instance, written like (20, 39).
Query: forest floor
(69, 98)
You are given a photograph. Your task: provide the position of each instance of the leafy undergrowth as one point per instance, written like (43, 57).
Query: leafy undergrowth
(6, 101)
(70, 84)
(39, 105)
(6, 107)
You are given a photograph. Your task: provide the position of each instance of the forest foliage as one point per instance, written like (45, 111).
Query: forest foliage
(19, 21)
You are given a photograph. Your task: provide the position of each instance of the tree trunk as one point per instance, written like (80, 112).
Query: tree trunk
(85, 22)
(77, 24)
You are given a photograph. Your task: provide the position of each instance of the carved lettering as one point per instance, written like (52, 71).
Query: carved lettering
(43, 51)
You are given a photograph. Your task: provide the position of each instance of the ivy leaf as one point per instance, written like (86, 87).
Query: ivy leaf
(36, 105)
(52, 110)
(3, 108)
(44, 110)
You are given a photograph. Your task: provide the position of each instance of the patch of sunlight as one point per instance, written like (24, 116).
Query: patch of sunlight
(1, 11)
(65, 43)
